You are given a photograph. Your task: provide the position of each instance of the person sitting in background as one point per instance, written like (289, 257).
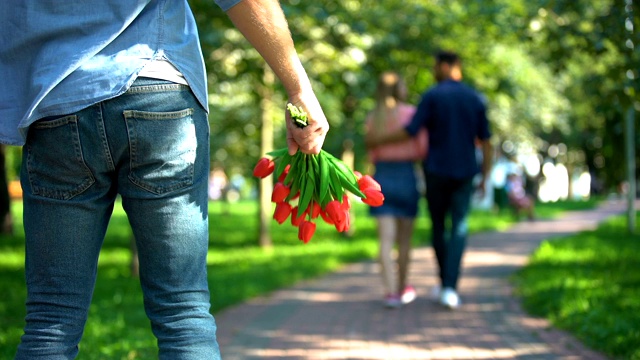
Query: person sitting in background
(518, 198)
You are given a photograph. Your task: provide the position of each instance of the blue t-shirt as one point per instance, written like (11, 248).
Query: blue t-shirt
(455, 116)
(59, 57)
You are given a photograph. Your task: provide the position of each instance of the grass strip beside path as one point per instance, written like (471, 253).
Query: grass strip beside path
(589, 285)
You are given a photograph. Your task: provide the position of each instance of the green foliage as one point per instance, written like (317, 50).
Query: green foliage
(13, 161)
(592, 46)
(552, 210)
(344, 46)
(589, 284)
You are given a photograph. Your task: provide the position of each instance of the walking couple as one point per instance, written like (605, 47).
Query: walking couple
(451, 120)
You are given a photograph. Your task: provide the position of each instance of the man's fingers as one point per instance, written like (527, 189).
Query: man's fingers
(309, 139)
(310, 142)
(292, 145)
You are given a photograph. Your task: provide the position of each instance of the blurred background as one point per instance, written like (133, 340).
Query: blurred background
(560, 78)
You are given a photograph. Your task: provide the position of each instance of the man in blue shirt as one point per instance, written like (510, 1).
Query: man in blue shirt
(455, 118)
(109, 98)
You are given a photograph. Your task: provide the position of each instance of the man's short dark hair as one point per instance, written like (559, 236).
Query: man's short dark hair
(447, 57)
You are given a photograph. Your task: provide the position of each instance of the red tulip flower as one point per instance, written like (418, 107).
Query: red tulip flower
(282, 212)
(373, 197)
(280, 192)
(326, 217)
(321, 184)
(284, 174)
(367, 182)
(335, 211)
(345, 223)
(315, 210)
(296, 219)
(346, 202)
(306, 231)
(264, 168)
(340, 225)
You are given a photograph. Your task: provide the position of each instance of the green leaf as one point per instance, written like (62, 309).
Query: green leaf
(350, 185)
(325, 200)
(327, 154)
(293, 177)
(302, 175)
(278, 153)
(302, 169)
(305, 199)
(335, 184)
(295, 186)
(323, 189)
(344, 169)
(282, 164)
(293, 174)
(312, 170)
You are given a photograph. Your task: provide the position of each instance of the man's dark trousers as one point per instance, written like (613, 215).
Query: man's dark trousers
(446, 195)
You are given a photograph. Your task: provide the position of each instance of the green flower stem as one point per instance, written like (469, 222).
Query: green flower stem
(319, 178)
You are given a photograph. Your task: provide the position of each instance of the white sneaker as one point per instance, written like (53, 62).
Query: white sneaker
(449, 298)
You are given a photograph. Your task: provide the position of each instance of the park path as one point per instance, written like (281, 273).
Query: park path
(340, 315)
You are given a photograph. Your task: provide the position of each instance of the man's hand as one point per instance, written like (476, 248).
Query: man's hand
(310, 138)
(487, 161)
(481, 187)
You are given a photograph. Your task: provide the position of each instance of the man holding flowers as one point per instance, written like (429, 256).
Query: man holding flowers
(109, 98)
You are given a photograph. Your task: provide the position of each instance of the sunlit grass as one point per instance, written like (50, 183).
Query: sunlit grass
(238, 270)
(589, 284)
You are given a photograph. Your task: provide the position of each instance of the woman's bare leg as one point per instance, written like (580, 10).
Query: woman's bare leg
(387, 235)
(404, 236)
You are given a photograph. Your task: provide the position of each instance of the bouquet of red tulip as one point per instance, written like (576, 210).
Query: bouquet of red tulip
(312, 186)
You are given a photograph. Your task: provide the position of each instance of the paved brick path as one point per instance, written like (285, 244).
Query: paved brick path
(340, 315)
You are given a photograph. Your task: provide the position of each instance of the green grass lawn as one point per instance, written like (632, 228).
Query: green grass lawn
(238, 270)
(589, 285)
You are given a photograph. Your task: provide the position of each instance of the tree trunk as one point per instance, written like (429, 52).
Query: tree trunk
(348, 158)
(631, 168)
(266, 145)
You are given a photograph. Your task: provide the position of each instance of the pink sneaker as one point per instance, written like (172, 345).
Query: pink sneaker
(408, 295)
(392, 301)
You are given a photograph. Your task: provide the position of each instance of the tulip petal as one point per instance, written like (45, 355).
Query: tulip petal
(264, 168)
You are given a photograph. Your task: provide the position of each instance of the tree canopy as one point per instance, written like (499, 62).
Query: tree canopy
(562, 71)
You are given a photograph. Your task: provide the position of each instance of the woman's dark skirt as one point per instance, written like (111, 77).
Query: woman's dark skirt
(399, 186)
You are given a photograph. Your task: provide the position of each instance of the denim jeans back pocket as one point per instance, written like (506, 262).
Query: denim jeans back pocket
(55, 162)
(163, 149)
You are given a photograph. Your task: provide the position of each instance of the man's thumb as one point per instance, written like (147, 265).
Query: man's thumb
(292, 145)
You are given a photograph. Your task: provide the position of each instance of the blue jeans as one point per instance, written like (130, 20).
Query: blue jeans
(150, 146)
(448, 196)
